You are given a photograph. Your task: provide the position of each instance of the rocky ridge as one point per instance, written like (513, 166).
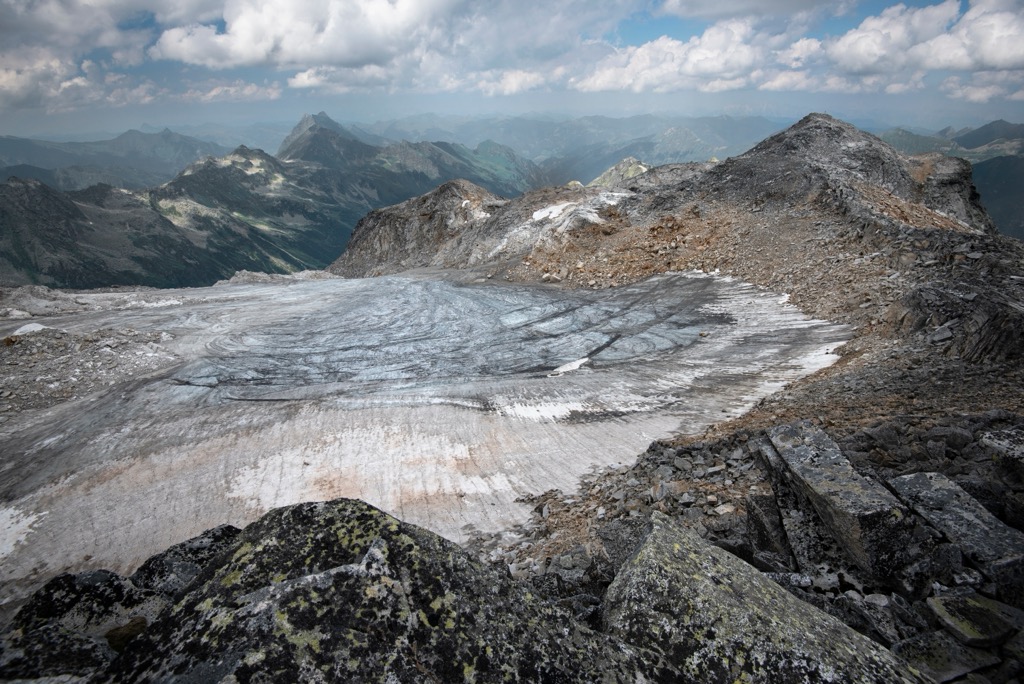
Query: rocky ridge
(885, 491)
(245, 210)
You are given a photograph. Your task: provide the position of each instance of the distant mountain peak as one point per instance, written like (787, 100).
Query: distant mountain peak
(309, 124)
(989, 133)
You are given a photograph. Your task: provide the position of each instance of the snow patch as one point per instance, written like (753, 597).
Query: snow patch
(568, 367)
(29, 328)
(542, 411)
(552, 211)
(15, 526)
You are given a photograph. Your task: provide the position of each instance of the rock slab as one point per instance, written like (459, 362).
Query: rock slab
(719, 620)
(996, 548)
(865, 519)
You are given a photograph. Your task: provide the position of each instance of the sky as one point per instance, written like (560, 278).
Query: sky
(70, 66)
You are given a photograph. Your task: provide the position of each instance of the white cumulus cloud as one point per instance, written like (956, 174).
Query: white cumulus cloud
(719, 59)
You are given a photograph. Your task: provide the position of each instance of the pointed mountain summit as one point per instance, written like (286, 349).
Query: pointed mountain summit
(318, 138)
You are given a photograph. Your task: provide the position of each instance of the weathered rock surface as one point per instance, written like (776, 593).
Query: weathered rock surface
(719, 620)
(867, 520)
(996, 548)
(340, 591)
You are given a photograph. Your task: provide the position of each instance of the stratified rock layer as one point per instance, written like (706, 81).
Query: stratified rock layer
(870, 523)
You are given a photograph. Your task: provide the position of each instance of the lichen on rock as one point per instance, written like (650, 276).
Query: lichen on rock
(719, 620)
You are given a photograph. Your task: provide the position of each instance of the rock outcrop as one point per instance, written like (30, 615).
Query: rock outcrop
(718, 620)
(341, 591)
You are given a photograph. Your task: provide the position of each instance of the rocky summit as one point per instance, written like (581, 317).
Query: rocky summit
(864, 523)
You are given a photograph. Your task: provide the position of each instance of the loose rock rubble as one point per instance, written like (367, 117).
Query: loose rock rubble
(45, 366)
(896, 549)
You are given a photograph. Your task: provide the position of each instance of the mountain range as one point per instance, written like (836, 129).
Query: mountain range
(131, 160)
(123, 212)
(246, 210)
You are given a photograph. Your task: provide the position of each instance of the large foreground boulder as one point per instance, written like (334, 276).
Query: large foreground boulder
(341, 591)
(719, 620)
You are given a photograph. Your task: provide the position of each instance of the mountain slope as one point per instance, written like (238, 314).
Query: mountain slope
(990, 133)
(405, 169)
(133, 159)
(817, 211)
(1000, 181)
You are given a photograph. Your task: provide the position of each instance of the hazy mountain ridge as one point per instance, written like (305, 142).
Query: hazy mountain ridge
(246, 210)
(996, 151)
(582, 148)
(132, 160)
(1000, 181)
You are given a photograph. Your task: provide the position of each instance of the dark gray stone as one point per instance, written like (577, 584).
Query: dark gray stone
(719, 620)
(620, 538)
(971, 619)
(865, 519)
(64, 627)
(942, 657)
(996, 548)
(171, 571)
(1009, 447)
(766, 533)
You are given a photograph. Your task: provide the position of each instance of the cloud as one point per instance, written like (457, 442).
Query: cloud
(978, 93)
(881, 44)
(789, 80)
(235, 91)
(717, 9)
(719, 59)
(510, 82)
(59, 54)
(302, 33)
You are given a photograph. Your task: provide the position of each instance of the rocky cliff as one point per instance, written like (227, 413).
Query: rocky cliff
(861, 525)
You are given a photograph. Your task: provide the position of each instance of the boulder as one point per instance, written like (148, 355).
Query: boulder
(973, 619)
(719, 620)
(75, 624)
(171, 571)
(863, 517)
(994, 547)
(340, 591)
(942, 657)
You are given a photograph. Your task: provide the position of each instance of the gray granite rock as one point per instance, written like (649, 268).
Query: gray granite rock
(340, 591)
(972, 619)
(865, 519)
(719, 620)
(942, 657)
(996, 548)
